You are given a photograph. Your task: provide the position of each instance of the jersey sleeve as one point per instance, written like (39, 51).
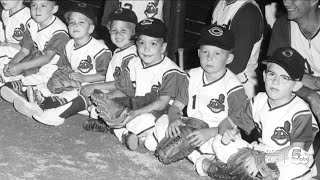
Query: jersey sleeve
(26, 41)
(243, 118)
(236, 98)
(63, 60)
(247, 28)
(182, 94)
(102, 61)
(302, 130)
(57, 42)
(280, 36)
(170, 80)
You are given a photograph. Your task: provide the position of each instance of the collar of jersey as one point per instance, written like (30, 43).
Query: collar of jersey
(76, 48)
(144, 67)
(51, 22)
(277, 107)
(204, 82)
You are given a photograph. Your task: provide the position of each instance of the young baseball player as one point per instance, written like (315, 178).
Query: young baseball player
(122, 27)
(14, 17)
(286, 123)
(49, 35)
(87, 57)
(212, 94)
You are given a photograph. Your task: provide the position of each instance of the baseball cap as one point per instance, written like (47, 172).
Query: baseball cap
(152, 27)
(123, 14)
(218, 36)
(82, 8)
(290, 60)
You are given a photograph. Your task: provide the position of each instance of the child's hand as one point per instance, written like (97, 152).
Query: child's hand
(15, 70)
(87, 90)
(259, 145)
(229, 135)
(199, 137)
(173, 128)
(77, 77)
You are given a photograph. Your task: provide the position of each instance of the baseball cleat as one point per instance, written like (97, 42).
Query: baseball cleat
(26, 108)
(10, 95)
(96, 125)
(52, 116)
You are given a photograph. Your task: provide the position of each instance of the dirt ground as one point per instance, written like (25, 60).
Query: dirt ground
(30, 150)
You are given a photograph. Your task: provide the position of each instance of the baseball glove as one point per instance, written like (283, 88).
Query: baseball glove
(174, 149)
(111, 112)
(60, 81)
(247, 158)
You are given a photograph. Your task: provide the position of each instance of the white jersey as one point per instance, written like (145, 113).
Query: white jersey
(119, 56)
(86, 58)
(144, 9)
(14, 27)
(209, 101)
(15, 24)
(153, 77)
(281, 124)
(41, 37)
(308, 48)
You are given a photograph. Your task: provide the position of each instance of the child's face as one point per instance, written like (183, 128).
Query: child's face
(80, 26)
(10, 4)
(150, 49)
(42, 10)
(121, 33)
(213, 59)
(278, 84)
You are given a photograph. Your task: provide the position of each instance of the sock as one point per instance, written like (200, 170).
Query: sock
(16, 85)
(79, 103)
(52, 102)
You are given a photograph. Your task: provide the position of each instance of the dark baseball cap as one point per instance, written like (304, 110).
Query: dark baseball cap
(290, 60)
(123, 14)
(82, 8)
(215, 35)
(152, 27)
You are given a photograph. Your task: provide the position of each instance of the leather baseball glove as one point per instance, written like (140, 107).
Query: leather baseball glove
(174, 149)
(60, 81)
(111, 112)
(241, 165)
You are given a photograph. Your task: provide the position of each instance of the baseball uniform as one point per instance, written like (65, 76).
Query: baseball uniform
(280, 126)
(53, 37)
(14, 26)
(119, 56)
(209, 101)
(162, 77)
(91, 58)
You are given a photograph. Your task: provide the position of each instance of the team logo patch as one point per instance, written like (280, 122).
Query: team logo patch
(156, 89)
(287, 53)
(281, 135)
(117, 72)
(82, 5)
(18, 32)
(147, 22)
(151, 10)
(217, 105)
(85, 65)
(216, 31)
(118, 11)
